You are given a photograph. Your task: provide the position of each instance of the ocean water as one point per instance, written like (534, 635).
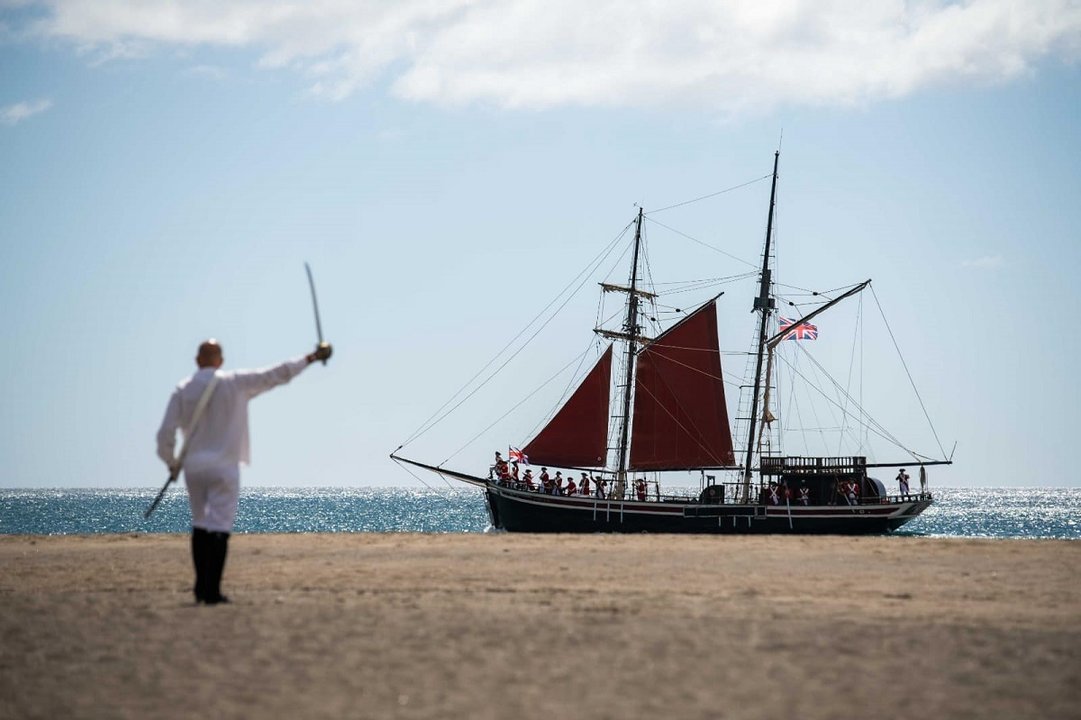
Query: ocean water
(968, 512)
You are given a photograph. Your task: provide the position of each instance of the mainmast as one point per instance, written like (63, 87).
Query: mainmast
(763, 304)
(630, 327)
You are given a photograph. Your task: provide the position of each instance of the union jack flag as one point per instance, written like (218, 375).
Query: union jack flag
(517, 456)
(803, 331)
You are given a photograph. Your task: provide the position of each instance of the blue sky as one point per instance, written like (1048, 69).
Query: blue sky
(447, 167)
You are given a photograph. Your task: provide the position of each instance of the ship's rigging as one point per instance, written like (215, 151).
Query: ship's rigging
(608, 418)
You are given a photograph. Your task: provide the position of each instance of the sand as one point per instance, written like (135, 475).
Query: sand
(527, 626)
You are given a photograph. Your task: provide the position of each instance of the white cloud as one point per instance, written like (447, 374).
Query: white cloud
(14, 114)
(101, 53)
(212, 72)
(986, 262)
(720, 55)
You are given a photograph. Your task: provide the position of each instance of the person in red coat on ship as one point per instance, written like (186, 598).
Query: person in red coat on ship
(571, 488)
(500, 468)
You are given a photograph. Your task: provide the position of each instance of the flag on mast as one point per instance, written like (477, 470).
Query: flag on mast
(517, 456)
(802, 331)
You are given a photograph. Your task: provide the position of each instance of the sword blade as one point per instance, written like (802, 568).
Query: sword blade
(315, 304)
(153, 505)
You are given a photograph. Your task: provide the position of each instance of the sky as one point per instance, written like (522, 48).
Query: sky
(447, 167)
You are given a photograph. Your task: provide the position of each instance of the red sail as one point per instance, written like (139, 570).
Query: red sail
(578, 434)
(680, 416)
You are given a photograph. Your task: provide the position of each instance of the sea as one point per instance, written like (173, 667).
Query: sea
(957, 512)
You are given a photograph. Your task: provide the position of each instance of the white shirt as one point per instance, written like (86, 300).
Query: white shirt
(221, 438)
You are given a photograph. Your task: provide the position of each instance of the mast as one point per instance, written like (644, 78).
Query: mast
(631, 329)
(763, 304)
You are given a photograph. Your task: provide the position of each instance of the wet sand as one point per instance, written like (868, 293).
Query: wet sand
(527, 626)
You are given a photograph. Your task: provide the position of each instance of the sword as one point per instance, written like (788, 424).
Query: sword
(315, 305)
(200, 406)
(172, 479)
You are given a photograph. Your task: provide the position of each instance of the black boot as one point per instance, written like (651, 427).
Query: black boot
(218, 543)
(200, 553)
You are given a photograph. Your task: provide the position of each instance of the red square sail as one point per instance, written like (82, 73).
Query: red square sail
(578, 434)
(680, 416)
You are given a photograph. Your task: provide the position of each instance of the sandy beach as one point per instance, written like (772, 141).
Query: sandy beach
(521, 626)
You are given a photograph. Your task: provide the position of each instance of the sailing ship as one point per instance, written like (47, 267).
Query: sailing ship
(671, 414)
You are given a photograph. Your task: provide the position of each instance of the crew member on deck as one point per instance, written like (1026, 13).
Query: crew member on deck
(640, 488)
(528, 479)
(774, 494)
(546, 481)
(853, 493)
(804, 493)
(571, 487)
(583, 485)
(514, 474)
(601, 487)
(500, 468)
(902, 481)
(557, 483)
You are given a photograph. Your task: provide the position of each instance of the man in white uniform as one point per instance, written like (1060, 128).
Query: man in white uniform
(215, 449)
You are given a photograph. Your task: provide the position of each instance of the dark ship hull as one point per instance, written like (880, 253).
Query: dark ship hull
(525, 511)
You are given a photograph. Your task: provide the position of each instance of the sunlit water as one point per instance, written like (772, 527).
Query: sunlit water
(996, 513)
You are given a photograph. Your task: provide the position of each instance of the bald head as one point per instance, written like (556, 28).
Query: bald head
(209, 355)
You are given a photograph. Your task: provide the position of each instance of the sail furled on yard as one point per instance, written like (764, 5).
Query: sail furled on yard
(680, 416)
(578, 434)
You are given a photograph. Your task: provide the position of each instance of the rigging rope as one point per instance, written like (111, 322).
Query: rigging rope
(433, 491)
(734, 382)
(905, 365)
(856, 336)
(872, 424)
(516, 406)
(703, 244)
(433, 420)
(793, 400)
(691, 286)
(706, 197)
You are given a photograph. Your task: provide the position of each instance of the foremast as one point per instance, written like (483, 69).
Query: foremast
(632, 336)
(764, 304)
(631, 328)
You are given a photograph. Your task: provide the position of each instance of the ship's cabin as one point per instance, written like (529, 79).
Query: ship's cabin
(824, 480)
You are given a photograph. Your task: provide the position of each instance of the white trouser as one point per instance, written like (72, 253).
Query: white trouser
(213, 494)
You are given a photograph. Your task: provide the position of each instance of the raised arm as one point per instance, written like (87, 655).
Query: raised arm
(254, 382)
